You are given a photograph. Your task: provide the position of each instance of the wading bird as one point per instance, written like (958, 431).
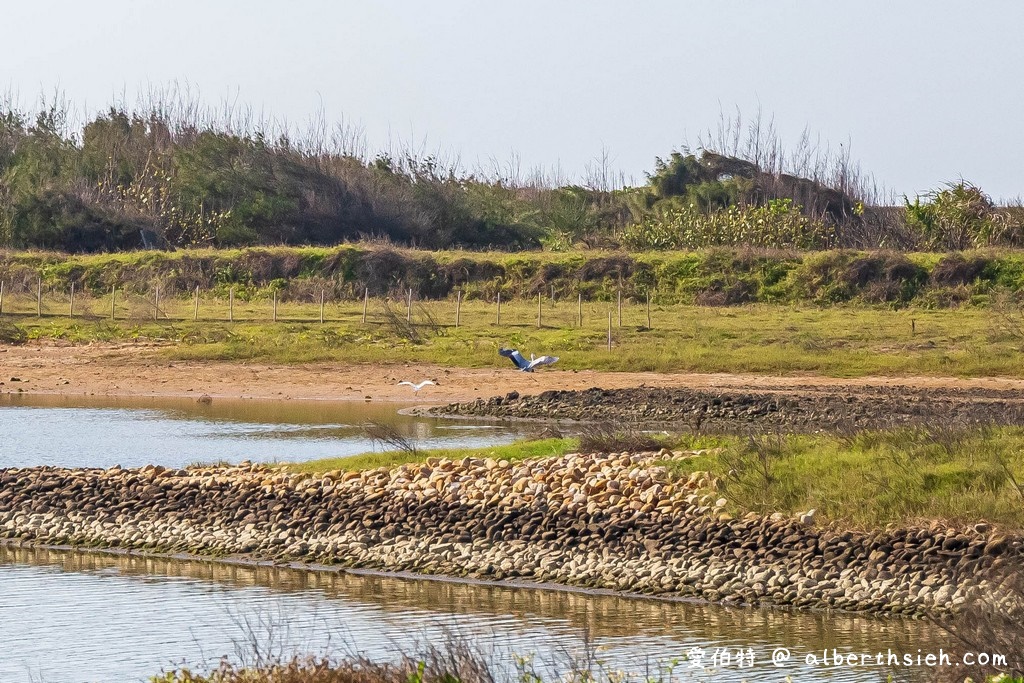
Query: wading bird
(526, 365)
(416, 387)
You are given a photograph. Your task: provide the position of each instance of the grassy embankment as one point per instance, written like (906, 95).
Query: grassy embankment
(824, 313)
(863, 480)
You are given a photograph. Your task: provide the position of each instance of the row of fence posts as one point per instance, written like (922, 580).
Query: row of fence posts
(366, 302)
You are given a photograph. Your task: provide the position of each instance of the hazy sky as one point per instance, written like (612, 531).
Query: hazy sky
(923, 91)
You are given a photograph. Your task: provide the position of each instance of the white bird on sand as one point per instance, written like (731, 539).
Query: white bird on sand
(526, 365)
(416, 387)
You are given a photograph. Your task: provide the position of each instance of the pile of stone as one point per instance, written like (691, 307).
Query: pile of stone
(618, 521)
(798, 409)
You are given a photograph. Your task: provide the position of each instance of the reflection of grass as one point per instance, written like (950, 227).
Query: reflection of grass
(519, 450)
(875, 478)
(851, 341)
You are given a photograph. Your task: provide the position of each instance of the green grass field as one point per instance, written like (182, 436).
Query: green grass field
(835, 341)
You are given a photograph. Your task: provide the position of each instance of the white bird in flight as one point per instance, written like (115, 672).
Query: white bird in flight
(416, 387)
(526, 365)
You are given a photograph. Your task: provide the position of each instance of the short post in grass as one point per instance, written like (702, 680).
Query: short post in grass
(71, 311)
(579, 309)
(113, 301)
(497, 311)
(913, 327)
(231, 305)
(620, 306)
(609, 329)
(366, 301)
(458, 308)
(156, 303)
(539, 321)
(39, 298)
(195, 308)
(552, 296)
(1, 297)
(275, 305)
(649, 311)
(408, 307)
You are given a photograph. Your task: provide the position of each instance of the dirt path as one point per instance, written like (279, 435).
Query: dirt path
(141, 370)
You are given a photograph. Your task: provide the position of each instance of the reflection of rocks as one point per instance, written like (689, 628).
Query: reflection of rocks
(799, 409)
(612, 521)
(600, 615)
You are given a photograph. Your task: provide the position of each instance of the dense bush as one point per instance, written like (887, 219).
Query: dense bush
(778, 224)
(165, 178)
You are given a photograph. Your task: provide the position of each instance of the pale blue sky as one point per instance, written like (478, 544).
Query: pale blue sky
(925, 91)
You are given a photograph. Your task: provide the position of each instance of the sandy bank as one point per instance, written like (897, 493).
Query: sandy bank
(144, 370)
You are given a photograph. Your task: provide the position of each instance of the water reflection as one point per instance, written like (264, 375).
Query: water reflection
(162, 611)
(174, 432)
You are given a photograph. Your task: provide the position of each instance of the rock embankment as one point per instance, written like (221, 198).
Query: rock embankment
(798, 409)
(615, 521)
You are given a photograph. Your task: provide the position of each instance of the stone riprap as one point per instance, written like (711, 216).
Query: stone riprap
(793, 409)
(616, 521)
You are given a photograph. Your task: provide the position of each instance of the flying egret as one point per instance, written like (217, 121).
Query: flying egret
(526, 365)
(416, 387)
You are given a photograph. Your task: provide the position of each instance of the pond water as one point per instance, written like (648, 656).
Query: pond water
(131, 432)
(85, 617)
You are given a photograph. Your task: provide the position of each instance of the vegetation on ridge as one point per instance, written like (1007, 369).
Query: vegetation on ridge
(167, 175)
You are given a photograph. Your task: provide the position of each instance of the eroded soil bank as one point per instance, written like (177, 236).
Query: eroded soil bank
(615, 521)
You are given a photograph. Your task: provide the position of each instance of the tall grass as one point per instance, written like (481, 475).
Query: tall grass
(874, 478)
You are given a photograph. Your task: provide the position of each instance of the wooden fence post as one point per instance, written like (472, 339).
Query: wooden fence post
(366, 300)
(321, 305)
(497, 315)
(539, 324)
(609, 329)
(275, 305)
(458, 308)
(71, 313)
(156, 304)
(113, 300)
(620, 307)
(39, 298)
(231, 305)
(579, 308)
(408, 307)
(195, 311)
(649, 311)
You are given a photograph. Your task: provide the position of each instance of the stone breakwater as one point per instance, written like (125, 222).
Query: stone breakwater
(797, 409)
(616, 521)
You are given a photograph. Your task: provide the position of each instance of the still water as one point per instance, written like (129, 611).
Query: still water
(131, 432)
(86, 617)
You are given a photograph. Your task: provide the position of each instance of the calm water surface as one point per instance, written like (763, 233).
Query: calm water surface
(102, 432)
(86, 617)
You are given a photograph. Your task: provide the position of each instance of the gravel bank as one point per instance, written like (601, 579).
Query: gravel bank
(731, 410)
(603, 521)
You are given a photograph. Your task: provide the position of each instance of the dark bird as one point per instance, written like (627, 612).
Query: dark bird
(526, 365)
